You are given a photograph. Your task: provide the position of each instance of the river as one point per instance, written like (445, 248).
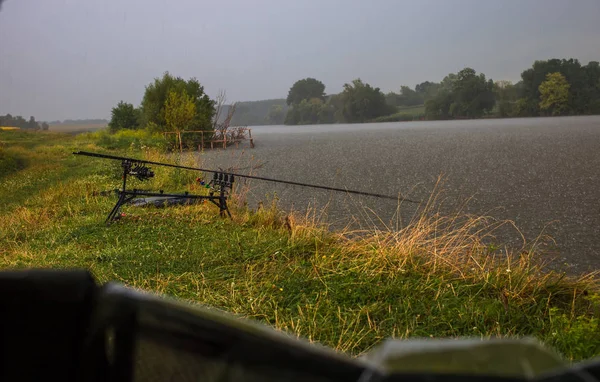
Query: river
(541, 173)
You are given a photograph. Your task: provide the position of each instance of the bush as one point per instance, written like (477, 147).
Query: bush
(127, 139)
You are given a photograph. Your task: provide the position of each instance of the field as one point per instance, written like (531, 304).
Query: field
(434, 277)
(70, 128)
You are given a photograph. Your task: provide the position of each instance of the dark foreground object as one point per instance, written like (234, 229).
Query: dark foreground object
(59, 325)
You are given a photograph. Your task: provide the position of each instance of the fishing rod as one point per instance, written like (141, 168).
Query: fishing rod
(293, 183)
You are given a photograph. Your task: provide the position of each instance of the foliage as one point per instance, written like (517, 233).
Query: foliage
(125, 139)
(427, 89)
(256, 113)
(308, 112)
(434, 278)
(584, 91)
(123, 116)
(472, 95)
(180, 111)
(360, 102)
(525, 107)
(276, 115)
(18, 121)
(507, 96)
(439, 106)
(305, 89)
(156, 94)
(462, 95)
(407, 97)
(554, 94)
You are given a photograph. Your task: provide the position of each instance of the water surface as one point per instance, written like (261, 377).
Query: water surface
(542, 173)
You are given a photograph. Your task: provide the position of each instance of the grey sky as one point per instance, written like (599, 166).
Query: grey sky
(77, 58)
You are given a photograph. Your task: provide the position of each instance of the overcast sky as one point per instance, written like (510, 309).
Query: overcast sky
(77, 58)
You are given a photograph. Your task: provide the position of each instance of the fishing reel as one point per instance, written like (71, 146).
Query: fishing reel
(222, 180)
(138, 170)
(218, 181)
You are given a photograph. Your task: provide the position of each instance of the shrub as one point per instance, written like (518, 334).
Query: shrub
(127, 139)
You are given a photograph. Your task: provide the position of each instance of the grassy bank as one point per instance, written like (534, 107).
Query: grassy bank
(406, 113)
(434, 278)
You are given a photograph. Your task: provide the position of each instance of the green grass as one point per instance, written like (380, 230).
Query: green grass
(433, 278)
(405, 113)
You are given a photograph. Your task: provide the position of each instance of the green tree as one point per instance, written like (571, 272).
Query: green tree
(156, 94)
(465, 94)
(276, 115)
(506, 95)
(582, 92)
(554, 94)
(427, 89)
(123, 116)
(439, 106)
(310, 112)
(409, 97)
(406, 97)
(32, 124)
(472, 94)
(180, 112)
(305, 89)
(591, 91)
(45, 126)
(360, 102)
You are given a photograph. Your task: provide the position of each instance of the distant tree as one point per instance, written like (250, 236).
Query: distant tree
(309, 112)
(448, 82)
(276, 115)
(360, 102)
(506, 95)
(591, 92)
(19, 121)
(465, 94)
(427, 89)
(156, 94)
(86, 121)
(554, 94)
(305, 89)
(406, 97)
(439, 106)
(180, 111)
(473, 95)
(32, 124)
(123, 116)
(45, 126)
(583, 92)
(409, 97)
(526, 107)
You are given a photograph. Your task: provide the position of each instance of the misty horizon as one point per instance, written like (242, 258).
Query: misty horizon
(67, 60)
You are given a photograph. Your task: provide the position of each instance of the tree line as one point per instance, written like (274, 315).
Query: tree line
(22, 123)
(549, 88)
(75, 122)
